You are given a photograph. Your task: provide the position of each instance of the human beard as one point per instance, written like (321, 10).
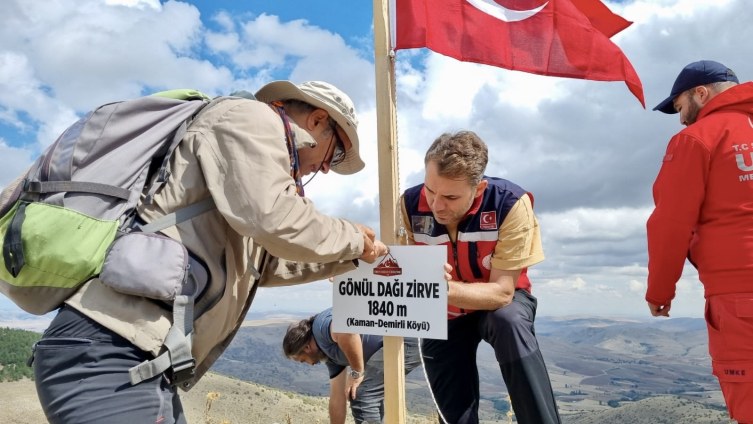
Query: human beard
(693, 110)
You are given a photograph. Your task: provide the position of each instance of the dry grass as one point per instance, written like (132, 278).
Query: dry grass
(656, 410)
(215, 400)
(221, 400)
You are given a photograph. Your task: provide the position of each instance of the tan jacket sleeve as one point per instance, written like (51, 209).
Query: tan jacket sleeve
(246, 165)
(519, 242)
(280, 272)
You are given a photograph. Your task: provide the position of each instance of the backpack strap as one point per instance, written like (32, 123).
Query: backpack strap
(177, 217)
(177, 361)
(163, 174)
(76, 187)
(13, 251)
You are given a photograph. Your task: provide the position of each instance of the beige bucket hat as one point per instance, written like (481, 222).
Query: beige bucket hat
(328, 97)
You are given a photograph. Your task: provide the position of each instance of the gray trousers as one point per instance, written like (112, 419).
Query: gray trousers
(368, 406)
(81, 374)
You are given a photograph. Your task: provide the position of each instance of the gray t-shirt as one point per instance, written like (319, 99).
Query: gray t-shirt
(336, 359)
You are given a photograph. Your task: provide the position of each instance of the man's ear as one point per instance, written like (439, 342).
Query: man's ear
(316, 118)
(704, 94)
(480, 188)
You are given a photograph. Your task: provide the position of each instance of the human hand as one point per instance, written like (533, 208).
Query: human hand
(660, 310)
(368, 243)
(367, 232)
(380, 249)
(448, 276)
(352, 386)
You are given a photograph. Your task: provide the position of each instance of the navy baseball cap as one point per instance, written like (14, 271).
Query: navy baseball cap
(697, 73)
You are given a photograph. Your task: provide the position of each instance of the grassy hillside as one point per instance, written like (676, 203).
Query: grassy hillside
(656, 410)
(217, 399)
(15, 349)
(658, 373)
(591, 361)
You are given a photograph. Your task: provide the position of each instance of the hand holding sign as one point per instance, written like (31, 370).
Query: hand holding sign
(372, 248)
(380, 249)
(448, 274)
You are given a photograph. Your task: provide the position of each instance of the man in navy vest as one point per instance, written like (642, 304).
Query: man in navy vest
(492, 237)
(312, 341)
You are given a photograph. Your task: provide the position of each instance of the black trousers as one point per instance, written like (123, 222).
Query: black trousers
(453, 374)
(81, 374)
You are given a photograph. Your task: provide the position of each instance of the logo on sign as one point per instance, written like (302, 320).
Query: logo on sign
(388, 267)
(489, 220)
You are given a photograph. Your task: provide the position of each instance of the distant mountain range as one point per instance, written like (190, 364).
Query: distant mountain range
(593, 363)
(603, 370)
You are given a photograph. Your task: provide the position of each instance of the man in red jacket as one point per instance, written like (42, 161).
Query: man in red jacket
(704, 211)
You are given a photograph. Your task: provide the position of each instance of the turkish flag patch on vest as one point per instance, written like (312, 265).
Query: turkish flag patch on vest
(489, 220)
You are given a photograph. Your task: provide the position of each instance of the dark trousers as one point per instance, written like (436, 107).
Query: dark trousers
(368, 406)
(81, 374)
(453, 374)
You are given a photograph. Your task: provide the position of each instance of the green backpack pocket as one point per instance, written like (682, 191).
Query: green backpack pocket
(62, 249)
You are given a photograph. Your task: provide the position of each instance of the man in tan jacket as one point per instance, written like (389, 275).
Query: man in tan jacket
(249, 157)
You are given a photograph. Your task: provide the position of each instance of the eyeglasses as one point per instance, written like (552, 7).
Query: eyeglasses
(339, 154)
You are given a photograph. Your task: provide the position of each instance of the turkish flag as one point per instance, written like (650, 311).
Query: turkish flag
(601, 17)
(553, 37)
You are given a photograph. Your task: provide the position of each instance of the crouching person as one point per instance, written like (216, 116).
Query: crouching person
(312, 341)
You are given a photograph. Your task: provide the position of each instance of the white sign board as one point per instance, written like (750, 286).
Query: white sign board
(402, 294)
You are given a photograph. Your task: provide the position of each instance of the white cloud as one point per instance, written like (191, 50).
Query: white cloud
(311, 53)
(139, 4)
(564, 287)
(22, 92)
(91, 52)
(603, 224)
(637, 286)
(14, 161)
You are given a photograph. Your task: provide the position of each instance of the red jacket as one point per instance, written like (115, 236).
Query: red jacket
(704, 201)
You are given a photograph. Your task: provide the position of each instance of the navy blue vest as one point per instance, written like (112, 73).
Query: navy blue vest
(477, 234)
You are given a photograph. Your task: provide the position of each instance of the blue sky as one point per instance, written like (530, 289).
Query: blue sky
(586, 149)
(350, 19)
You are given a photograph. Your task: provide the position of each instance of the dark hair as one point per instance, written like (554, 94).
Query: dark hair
(299, 107)
(297, 337)
(459, 156)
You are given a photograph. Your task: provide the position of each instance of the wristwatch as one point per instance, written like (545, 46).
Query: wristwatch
(356, 374)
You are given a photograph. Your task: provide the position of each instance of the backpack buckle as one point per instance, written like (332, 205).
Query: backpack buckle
(182, 371)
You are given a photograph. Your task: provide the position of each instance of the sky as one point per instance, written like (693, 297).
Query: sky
(587, 150)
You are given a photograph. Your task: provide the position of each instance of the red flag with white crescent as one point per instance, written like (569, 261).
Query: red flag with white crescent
(545, 37)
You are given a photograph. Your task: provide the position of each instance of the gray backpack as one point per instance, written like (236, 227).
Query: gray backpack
(74, 218)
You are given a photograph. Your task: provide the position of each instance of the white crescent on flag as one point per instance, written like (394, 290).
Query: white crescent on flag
(486, 219)
(502, 13)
